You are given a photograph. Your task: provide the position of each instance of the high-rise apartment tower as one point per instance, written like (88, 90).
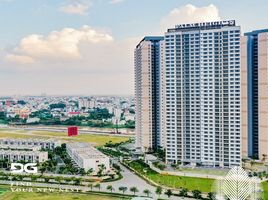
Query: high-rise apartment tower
(148, 90)
(254, 60)
(203, 94)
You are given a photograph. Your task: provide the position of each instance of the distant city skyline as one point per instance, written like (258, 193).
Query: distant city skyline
(85, 47)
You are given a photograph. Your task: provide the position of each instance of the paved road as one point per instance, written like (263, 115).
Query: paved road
(129, 180)
(132, 180)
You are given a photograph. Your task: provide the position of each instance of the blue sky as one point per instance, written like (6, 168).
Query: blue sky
(119, 25)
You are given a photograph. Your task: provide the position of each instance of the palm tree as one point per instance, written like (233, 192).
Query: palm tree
(110, 187)
(34, 178)
(147, 192)
(211, 196)
(134, 190)
(123, 189)
(90, 185)
(90, 171)
(46, 179)
(168, 193)
(97, 186)
(158, 190)
(82, 172)
(197, 194)
(183, 192)
(58, 179)
(252, 162)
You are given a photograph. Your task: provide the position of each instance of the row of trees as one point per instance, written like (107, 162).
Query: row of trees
(184, 192)
(41, 178)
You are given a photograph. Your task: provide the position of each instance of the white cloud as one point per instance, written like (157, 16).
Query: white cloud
(115, 1)
(76, 8)
(61, 45)
(19, 59)
(190, 14)
(104, 68)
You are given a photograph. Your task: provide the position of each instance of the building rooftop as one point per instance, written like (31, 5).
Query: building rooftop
(256, 32)
(19, 147)
(85, 150)
(29, 153)
(202, 26)
(151, 38)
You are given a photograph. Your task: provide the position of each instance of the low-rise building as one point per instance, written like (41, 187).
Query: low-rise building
(27, 156)
(87, 157)
(43, 144)
(32, 120)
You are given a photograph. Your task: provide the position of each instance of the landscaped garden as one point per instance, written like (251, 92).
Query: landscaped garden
(178, 182)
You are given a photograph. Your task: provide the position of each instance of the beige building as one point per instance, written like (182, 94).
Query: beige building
(254, 66)
(263, 95)
(148, 78)
(244, 93)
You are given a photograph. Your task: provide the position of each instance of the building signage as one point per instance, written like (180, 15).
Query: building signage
(210, 24)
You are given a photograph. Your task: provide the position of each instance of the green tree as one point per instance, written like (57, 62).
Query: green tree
(147, 192)
(90, 185)
(168, 193)
(110, 187)
(98, 186)
(211, 196)
(123, 189)
(183, 192)
(197, 194)
(90, 171)
(134, 190)
(77, 181)
(58, 179)
(158, 190)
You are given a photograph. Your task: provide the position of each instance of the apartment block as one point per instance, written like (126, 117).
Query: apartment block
(254, 62)
(26, 156)
(203, 94)
(148, 93)
(29, 143)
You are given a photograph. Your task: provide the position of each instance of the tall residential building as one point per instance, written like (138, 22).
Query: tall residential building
(148, 87)
(203, 94)
(254, 62)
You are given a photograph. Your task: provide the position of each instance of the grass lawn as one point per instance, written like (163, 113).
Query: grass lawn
(8, 195)
(218, 172)
(190, 183)
(265, 188)
(56, 196)
(202, 184)
(94, 139)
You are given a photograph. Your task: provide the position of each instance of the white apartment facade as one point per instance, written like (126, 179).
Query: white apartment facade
(202, 104)
(27, 156)
(42, 143)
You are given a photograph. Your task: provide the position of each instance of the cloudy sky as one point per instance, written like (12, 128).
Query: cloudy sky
(85, 47)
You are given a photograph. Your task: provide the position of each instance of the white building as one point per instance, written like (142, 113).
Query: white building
(87, 157)
(117, 113)
(202, 64)
(28, 156)
(42, 143)
(32, 120)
